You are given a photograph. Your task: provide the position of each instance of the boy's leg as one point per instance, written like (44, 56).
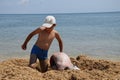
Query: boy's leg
(32, 61)
(44, 65)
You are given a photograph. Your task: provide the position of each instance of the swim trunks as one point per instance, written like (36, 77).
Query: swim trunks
(40, 53)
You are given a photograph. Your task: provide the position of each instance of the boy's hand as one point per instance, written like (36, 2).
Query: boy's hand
(23, 47)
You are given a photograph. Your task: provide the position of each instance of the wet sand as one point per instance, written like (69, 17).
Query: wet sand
(90, 69)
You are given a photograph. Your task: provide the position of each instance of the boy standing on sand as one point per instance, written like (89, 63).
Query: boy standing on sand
(46, 34)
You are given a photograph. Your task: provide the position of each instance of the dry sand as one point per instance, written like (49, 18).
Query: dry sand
(91, 69)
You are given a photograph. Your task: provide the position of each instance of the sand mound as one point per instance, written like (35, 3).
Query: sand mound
(91, 69)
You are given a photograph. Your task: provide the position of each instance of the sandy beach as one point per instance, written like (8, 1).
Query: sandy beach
(90, 69)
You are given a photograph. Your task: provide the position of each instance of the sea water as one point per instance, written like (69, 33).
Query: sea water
(92, 34)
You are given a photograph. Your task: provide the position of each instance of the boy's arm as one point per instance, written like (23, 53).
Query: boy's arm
(60, 41)
(24, 46)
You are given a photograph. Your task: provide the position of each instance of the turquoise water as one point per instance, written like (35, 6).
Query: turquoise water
(93, 34)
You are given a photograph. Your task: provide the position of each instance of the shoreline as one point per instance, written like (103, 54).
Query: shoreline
(102, 57)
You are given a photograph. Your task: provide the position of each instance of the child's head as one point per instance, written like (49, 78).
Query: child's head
(49, 22)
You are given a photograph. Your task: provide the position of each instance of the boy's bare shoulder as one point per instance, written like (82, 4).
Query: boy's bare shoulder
(55, 31)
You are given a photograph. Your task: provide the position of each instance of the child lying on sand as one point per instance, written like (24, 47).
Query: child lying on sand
(61, 61)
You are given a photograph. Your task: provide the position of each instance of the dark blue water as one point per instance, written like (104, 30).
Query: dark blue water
(93, 34)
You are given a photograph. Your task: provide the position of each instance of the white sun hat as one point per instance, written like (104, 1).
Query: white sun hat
(49, 21)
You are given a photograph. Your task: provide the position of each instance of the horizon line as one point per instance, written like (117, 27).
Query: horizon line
(63, 13)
